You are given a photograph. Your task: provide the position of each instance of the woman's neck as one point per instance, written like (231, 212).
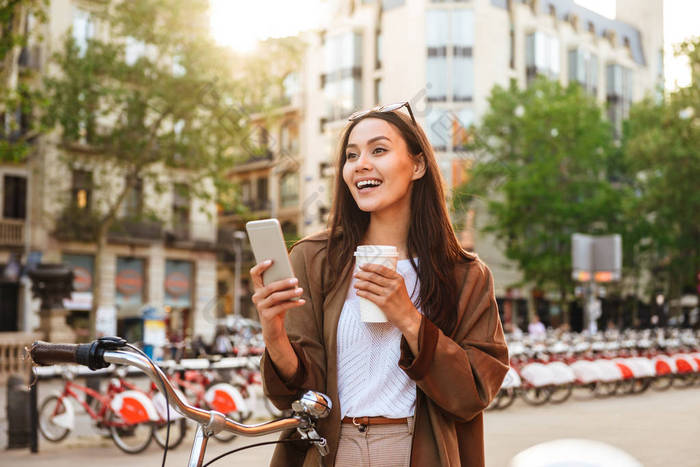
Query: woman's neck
(389, 228)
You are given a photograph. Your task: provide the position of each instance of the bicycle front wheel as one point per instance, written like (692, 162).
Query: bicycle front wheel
(178, 429)
(130, 438)
(51, 408)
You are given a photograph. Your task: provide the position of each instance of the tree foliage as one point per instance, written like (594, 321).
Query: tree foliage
(19, 24)
(150, 99)
(544, 156)
(662, 151)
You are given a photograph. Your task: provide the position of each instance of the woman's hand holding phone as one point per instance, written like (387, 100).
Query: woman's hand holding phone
(272, 302)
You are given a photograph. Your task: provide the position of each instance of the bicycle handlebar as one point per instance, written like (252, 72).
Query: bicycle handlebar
(102, 352)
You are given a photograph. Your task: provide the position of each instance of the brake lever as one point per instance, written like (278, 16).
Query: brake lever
(307, 431)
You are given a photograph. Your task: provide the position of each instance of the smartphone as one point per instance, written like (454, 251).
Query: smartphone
(268, 243)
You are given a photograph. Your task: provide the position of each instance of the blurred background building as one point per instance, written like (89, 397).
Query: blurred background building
(445, 57)
(167, 262)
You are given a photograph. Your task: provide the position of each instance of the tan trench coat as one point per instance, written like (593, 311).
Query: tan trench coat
(456, 375)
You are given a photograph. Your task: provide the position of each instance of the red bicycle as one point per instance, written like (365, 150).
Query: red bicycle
(129, 416)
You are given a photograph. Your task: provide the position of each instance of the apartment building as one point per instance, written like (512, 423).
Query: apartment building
(167, 263)
(269, 184)
(445, 57)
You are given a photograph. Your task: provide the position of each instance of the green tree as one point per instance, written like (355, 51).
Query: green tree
(542, 167)
(661, 146)
(18, 98)
(149, 100)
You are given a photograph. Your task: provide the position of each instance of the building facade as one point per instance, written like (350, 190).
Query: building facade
(445, 57)
(269, 185)
(166, 263)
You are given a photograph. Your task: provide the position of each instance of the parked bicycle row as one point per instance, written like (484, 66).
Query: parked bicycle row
(133, 414)
(553, 368)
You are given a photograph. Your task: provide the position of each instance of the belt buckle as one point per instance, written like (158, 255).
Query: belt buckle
(361, 427)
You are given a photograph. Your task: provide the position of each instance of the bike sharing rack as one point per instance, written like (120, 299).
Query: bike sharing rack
(45, 373)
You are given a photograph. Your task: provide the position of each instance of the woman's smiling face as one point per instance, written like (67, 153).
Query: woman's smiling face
(378, 169)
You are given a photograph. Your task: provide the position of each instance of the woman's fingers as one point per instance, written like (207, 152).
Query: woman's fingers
(282, 307)
(373, 277)
(265, 291)
(256, 272)
(369, 287)
(281, 296)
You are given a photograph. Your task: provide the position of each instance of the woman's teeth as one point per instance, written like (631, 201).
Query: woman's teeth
(368, 183)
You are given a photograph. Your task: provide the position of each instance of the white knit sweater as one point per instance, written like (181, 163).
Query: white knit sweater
(370, 382)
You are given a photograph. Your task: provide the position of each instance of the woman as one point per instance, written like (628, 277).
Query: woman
(411, 391)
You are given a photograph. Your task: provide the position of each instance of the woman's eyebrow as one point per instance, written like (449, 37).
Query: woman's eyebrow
(369, 141)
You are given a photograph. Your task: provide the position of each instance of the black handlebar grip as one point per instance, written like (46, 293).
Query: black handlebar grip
(45, 353)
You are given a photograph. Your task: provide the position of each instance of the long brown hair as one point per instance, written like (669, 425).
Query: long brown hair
(431, 237)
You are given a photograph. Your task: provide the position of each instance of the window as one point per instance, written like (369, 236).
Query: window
(511, 47)
(342, 73)
(262, 201)
(14, 203)
(82, 189)
(583, 69)
(462, 60)
(289, 189)
(450, 62)
(83, 28)
(542, 56)
(246, 192)
(437, 40)
(290, 87)
(378, 49)
(181, 208)
(133, 204)
(289, 138)
(378, 98)
(619, 95)
(439, 126)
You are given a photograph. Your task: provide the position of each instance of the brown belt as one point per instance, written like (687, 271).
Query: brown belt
(367, 421)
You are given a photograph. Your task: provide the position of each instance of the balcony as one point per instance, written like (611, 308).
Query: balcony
(12, 232)
(136, 231)
(179, 232)
(76, 225)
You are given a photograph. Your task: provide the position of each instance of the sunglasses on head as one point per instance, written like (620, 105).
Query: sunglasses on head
(384, 108)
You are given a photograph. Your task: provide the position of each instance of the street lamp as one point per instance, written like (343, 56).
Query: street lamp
(238, 238)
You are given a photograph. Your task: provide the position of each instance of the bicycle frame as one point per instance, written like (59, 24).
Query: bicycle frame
(211, 422)
(68, 391)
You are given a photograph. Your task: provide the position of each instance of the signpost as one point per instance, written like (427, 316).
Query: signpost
(595, 259)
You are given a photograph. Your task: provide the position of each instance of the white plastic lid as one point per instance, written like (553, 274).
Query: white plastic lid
(376, 250)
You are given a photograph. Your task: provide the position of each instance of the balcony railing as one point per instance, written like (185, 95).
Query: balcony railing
(12, 232)
(179, 232)
(140, 230)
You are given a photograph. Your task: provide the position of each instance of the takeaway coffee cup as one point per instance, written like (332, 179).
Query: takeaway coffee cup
(386, 255)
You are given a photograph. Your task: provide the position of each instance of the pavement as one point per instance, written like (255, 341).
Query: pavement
(657, 428)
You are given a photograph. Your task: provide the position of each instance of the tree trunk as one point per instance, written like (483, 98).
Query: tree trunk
(101, 243)
(10, 71)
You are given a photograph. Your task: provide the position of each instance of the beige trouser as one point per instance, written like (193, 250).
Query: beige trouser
(377, 446)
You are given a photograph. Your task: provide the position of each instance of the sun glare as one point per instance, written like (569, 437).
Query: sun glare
(241, 24)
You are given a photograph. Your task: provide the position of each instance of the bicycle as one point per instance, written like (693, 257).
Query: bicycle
(178, 424)
(104, 351)
(125, 414)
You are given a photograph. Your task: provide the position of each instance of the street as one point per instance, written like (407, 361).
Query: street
(658, 428)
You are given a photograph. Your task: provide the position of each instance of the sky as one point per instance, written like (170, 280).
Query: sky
(241, 23)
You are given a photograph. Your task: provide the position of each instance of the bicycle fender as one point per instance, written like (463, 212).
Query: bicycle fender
(66, 419)
(134, 407)
(159, 402)
(225, 398)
